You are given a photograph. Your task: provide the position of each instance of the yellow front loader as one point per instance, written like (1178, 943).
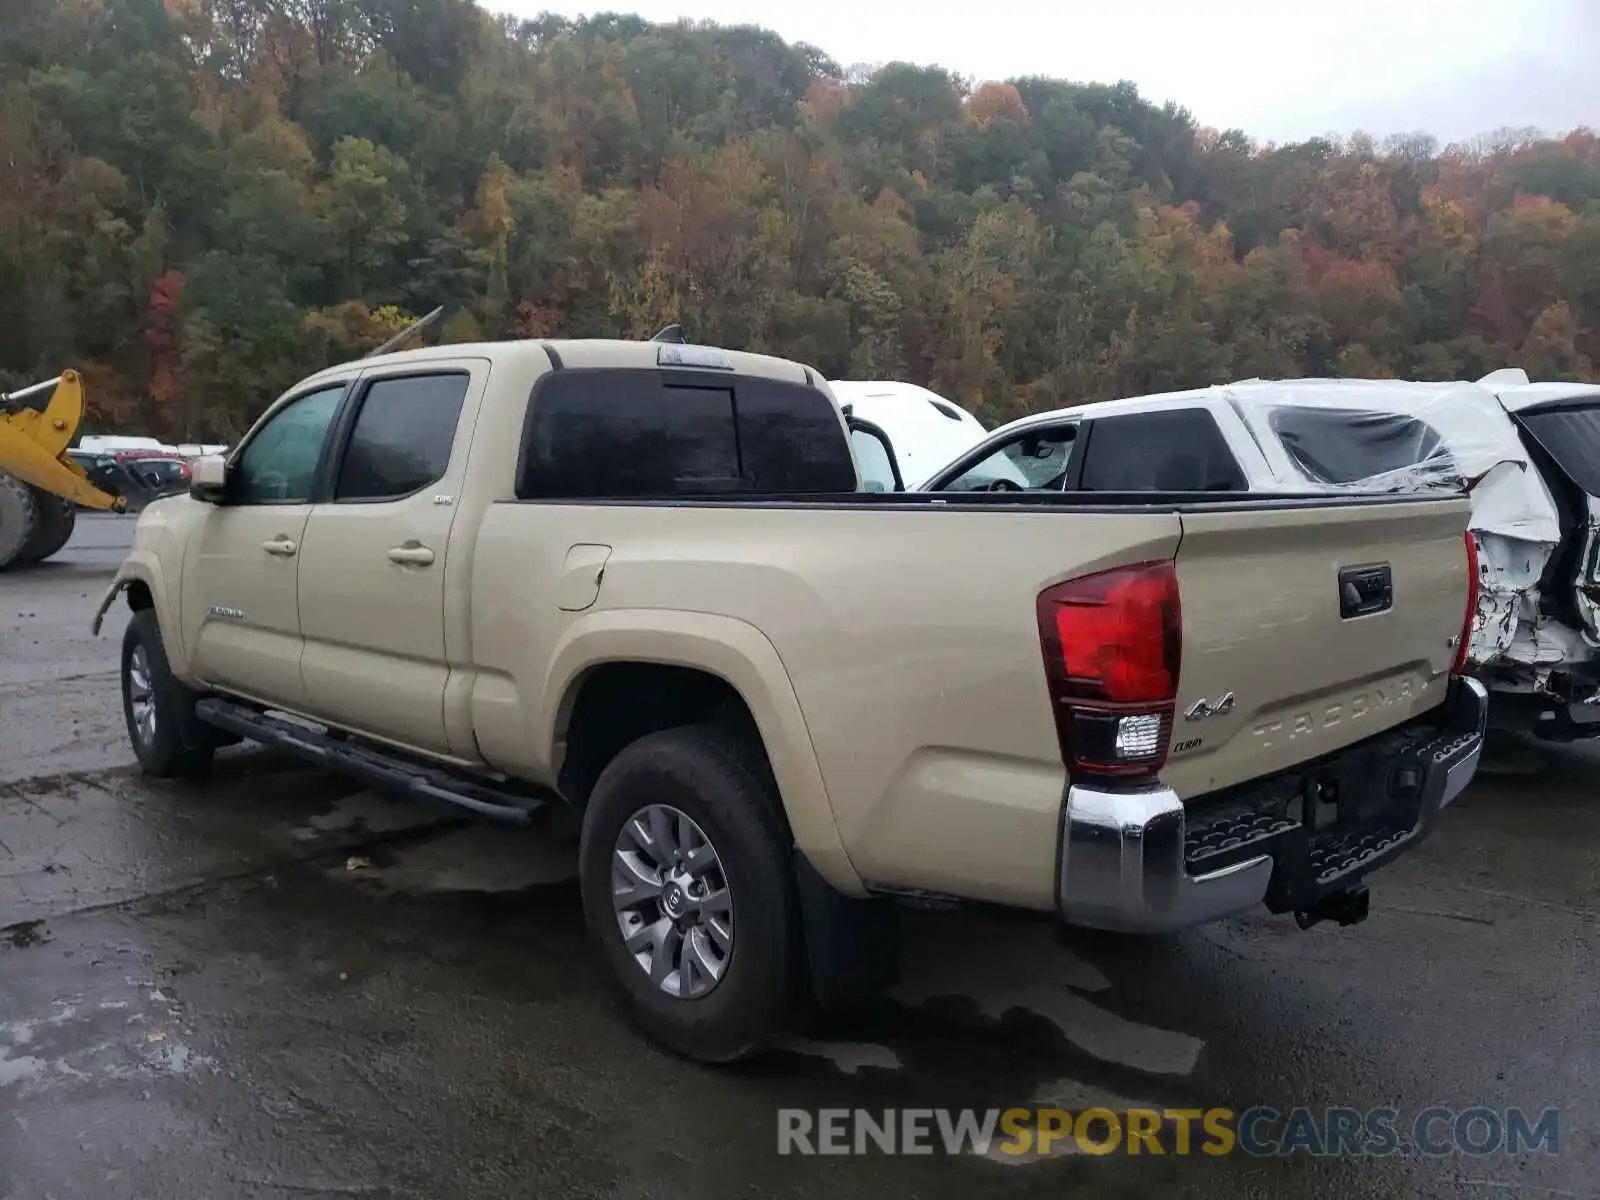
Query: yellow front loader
(41, 488)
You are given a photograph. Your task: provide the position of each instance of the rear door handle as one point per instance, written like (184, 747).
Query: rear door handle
(281, 546)
(411, 555)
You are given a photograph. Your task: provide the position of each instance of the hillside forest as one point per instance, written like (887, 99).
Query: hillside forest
(203, 200)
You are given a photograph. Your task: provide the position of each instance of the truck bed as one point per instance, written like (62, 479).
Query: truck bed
(908, 628)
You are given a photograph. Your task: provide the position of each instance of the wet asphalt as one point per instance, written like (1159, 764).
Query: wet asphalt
(277, 984)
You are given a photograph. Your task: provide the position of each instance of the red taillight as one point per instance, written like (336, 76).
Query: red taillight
(1460, 664)
(1112, 645)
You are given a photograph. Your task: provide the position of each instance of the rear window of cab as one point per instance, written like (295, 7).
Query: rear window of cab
(595, 434)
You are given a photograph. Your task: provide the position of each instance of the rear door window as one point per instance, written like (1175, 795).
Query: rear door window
(1345, 446)
(642, 434)
(402, 437)
(1173, 450)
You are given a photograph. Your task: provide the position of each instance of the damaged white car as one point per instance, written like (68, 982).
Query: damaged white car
(1528, 452)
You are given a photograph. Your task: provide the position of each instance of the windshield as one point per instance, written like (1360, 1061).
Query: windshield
(1571, 436)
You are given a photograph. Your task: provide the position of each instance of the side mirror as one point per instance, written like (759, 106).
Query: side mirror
(208, 478)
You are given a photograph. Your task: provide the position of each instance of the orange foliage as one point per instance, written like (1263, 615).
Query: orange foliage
(825, 97)
(110, 399)
(995, 102)
(1584, 143)
(534, 321)
(161, 339)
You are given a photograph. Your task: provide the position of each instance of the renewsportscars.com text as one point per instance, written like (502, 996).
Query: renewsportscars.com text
(1260, 1132)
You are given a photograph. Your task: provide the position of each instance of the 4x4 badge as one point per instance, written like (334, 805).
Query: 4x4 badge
(1203, 708)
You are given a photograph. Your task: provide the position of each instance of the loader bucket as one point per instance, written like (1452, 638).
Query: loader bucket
(33, 447)
(41, 488)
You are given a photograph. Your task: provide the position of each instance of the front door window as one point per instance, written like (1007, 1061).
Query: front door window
(1031, 462)
(279, 464)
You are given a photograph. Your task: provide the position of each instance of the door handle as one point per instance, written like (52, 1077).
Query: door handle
(281, 546)
(411, 555)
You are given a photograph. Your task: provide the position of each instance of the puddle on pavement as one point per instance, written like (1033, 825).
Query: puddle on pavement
(133, 1032)
(992, 1013)
(848, 1057)
(1005, 965)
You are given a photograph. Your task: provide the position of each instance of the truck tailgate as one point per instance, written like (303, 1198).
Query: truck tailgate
(1324, 625)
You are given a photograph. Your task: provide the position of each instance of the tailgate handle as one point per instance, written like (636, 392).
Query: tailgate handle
(1365, 590)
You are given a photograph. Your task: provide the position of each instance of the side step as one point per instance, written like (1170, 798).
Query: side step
(376, 768)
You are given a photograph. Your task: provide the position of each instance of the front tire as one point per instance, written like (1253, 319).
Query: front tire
(57, 518)
(19, 520)
(168, 739)
(688, 887)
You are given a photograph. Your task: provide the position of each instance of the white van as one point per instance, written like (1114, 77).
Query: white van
(926, 430)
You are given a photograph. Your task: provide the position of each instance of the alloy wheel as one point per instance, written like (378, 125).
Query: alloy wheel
(672, 901)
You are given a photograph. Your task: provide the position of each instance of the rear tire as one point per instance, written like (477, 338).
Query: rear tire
(19, 520)
(168, 739)
(722, 818)
(53, 528)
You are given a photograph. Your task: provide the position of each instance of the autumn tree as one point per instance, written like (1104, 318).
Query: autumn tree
(205, 199)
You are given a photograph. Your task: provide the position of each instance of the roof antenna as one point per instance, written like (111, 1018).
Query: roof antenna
(672, 334)
(406, 334)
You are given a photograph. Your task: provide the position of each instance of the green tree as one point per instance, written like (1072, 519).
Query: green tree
(206, 198)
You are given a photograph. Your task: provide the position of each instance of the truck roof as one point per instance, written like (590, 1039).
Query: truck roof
(590, 353)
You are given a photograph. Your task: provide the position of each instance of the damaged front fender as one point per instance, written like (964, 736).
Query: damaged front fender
(118, 586)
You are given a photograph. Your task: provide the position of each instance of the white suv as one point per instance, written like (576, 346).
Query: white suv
(1529, 452)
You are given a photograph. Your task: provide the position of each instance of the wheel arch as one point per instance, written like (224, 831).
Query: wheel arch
(142, 582)
(621, 674)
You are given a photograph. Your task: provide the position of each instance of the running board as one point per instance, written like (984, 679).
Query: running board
(374, 767)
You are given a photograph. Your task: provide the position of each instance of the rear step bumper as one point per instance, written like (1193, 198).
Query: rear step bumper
(1142, 862)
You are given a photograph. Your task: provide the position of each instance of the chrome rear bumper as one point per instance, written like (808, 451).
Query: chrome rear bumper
(1138, 861)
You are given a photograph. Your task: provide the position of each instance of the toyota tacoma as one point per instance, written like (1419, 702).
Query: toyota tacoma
(643, 583)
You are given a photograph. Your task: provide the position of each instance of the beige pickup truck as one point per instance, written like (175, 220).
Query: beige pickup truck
(642, 584)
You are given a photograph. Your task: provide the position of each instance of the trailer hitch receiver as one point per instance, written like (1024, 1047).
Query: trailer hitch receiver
(1349, 907)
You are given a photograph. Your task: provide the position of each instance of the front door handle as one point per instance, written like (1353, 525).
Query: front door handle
(411, 555)
(281, 546)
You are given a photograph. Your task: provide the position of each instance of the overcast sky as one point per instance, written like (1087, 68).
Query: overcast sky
(1279, 69)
